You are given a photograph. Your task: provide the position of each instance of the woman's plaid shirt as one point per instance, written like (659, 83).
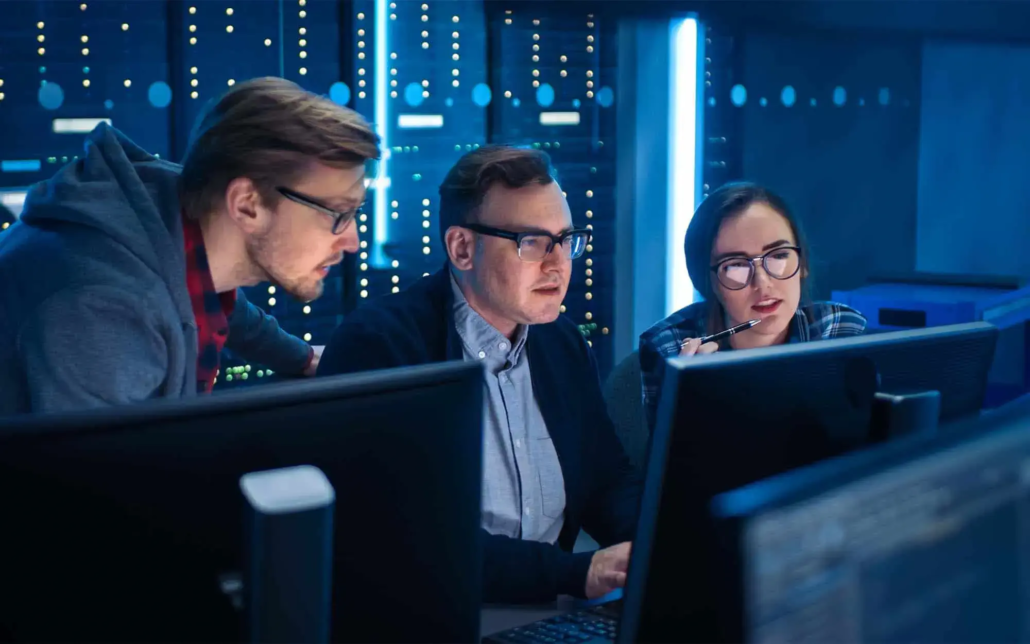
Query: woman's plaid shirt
(817, 321)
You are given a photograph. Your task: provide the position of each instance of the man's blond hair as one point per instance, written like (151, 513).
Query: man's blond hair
(269, 130)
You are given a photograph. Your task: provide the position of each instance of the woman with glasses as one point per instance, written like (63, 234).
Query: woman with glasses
(747, 257)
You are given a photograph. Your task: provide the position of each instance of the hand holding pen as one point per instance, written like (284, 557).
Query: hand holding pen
(710, 343)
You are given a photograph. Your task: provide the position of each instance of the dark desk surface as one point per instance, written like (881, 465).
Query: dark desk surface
(495, 618)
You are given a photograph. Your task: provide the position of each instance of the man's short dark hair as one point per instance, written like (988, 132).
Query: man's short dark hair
(463, 190)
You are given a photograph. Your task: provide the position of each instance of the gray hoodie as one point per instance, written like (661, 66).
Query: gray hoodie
(94, 308)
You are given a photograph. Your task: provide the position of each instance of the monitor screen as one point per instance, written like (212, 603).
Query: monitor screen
(931, 551)
(119, 523)
(732, 419)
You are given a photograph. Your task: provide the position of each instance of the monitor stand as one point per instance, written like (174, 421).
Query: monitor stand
(287, 580)
(902, 414)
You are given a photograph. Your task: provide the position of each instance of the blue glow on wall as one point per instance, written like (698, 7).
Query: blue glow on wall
(381, 221)
(683, 165)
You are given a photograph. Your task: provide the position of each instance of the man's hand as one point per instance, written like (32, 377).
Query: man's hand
(608, 570)
(313, 367)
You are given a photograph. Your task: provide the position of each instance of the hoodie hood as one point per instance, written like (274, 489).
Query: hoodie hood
(126, 194)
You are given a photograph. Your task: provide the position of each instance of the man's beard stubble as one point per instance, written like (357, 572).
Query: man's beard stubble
(263, 253)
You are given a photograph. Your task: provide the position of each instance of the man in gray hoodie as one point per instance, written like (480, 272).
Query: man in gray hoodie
(120, 281)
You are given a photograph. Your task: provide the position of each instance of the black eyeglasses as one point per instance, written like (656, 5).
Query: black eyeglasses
(535, 246)
(340, 219)
(780, 263)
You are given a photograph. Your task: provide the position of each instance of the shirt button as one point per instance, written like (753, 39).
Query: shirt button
(482, 354)
(503, 346)
(528, 512)
(518, 442)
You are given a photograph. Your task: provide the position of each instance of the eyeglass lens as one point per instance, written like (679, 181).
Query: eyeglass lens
(780, 264)
(534, 248)
(342, 220)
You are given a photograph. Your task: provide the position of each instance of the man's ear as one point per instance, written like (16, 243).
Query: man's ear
(241, 203)
(461, 247)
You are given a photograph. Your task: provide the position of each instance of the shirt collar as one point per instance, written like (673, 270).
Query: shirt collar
(199, 280)
(479, 337)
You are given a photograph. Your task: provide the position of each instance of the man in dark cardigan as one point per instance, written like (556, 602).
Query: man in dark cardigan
(552, 463)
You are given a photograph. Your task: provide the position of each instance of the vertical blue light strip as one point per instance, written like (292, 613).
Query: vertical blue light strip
(282, 40)
(683, 161)
(382, 124)
(699, 118)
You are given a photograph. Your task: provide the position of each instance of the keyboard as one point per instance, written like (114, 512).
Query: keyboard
(589, 626)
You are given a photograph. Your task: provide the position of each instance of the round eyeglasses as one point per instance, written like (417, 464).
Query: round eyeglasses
(535, 246)
(735, 273)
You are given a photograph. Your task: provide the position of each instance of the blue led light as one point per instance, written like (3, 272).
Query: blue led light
(545, 95)
(738, 95)
(159, 94)
(51, 96)
(20, 165)
(788, 96)
(339, 93)
(413, 94)
(481, 95)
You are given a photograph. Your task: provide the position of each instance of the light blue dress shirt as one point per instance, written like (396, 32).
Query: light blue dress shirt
(523, 487)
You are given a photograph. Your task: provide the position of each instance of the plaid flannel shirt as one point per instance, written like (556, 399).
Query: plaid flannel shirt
(817, 321)
(210, 308)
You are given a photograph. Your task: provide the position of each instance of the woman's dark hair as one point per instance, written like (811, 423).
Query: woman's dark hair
(728, 201)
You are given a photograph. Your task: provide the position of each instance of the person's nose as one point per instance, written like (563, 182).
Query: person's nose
(347, 241)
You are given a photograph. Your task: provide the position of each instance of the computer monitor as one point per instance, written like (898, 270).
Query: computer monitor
(119, 524)
(920, 540)
(727, 420)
